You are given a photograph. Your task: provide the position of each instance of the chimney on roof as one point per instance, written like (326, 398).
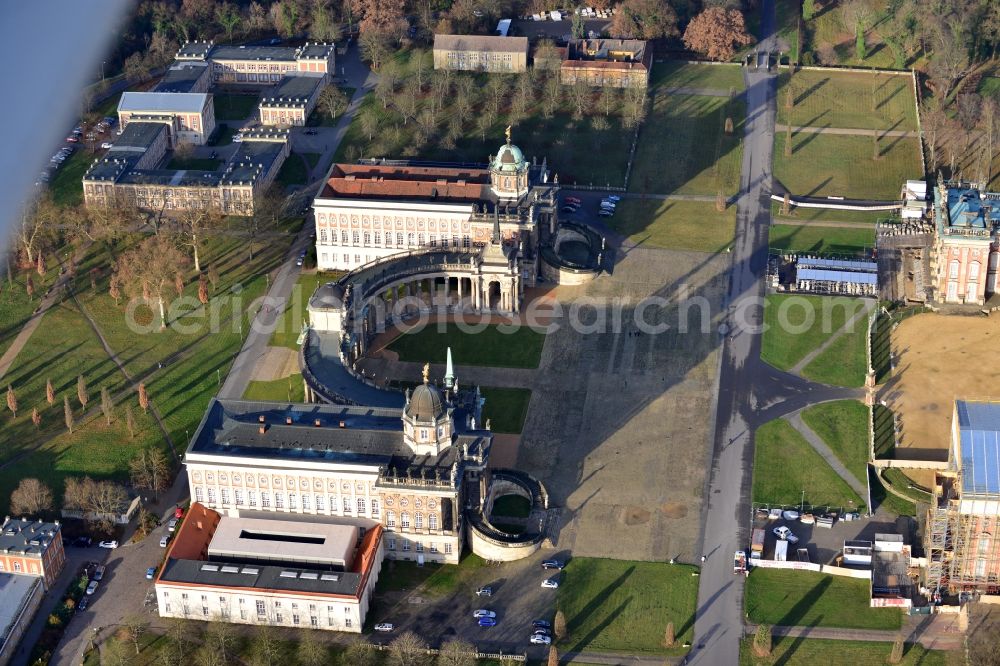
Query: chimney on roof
(343, 425)
(288, 420)
(260, 418)
(262, 429)
(317, 423)
(198, 524)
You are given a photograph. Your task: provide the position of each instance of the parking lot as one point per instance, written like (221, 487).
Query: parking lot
(826, 544)
(518, 599)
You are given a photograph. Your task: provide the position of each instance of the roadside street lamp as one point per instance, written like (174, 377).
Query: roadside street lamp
(103, 62)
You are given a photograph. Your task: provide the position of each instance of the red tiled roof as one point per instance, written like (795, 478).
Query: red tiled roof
(407, 182)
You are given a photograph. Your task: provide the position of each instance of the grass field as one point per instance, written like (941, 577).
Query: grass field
(675, 225)
(293, 171)
(804, 598)
(576, 149)
(506, 408)
(798, 238)
(785, 466)
(799, 216)
(903, 484)
(66, 186)
(433, 579)
(811, 651)
(231, 106)
(843, 425)
(194, 163)
(681, 74)
(512, 506)
(690, 130)
(493, 346)
(15, 305)
(881, 498)
(849, 100)
(797, 324)
(615, 605)
(843, 363)
(285, 389)
(834, 165)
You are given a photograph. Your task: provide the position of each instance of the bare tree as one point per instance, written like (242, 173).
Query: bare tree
(332, 101)
(457, 652)
(418, 67)
(311, 652)
(36, 418)
(81, 391)
(553, 656)
(149, 268)
(11, 400)
(106, 501)
(580, 96)
(67, 413)
(408, 101)
(370, 121)
(407, 649)
(551, 95)
(30, 498)
(143, 397)
(107, 405)
(129, 421)
(386, 86)
(192, 224)
(361, 653)
(221, 637)
(497, 90)
(374, 48)
(149, 470)
(266, 646)
(559, 626)
(135, 627)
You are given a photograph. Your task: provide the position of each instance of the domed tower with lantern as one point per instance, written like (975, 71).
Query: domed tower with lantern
(509, 172)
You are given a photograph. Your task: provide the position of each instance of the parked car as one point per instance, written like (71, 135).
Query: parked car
(606, 213)
(106, 145)
(785, 534)
(164, 540)
(482, 612)
(298, 262)
(172, 525)
(72, 139)
(789, 514)
(150, 572)
(569, 209)
(541, 624)
(487, 622)
(608, 204)
(542, 632)
(92, 587)
(539, 639)
(573, 200)
(82, 606)
(178, 512)
(552, 564)
(485, 591)
(613, 197)
(550, 583)
(99, 572)
(384, 627)
(108, 544)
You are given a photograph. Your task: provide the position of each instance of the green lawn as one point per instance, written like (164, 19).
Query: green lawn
(843, 363)
(785, 465)
(787, 13)
(882, 498)
(688, 132)
(575, 149)
(512, 506)
(799, 216)
(799, 238)
(803, 598)
(681, 74)
(623, 606)
(194, 163)
(293, 171)
(885, 434)
(66, 185)
(15, 305)
(675, 225)
(288, 328)
(506, 408)
(812, 651)
(796, 324)
(434, 579)
(835, 165)
(232, 106)
(280, 390)
(849, 100)
(494, 346)
(903, 484)
(843, 425)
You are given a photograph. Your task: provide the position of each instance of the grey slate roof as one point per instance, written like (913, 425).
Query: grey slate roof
(27, 537)
(180, 78)
(258, 576)
(293, 90)
(232, 52)
(162, 102)
(139, 136)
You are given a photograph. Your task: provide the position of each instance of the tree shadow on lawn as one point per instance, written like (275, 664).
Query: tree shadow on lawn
(811, 89)
(796, 643)
(808, 138)
(596, 603)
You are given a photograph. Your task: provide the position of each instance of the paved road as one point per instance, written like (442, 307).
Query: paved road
(719, 616)
(255, 346)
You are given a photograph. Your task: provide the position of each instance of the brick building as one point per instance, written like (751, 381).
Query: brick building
(481, 53)
(966, 244)
(292, 100)
(259, 65)
(612, 63)
(189, 117)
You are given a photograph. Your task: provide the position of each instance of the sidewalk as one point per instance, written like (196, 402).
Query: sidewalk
(915, 630)
(831, 458)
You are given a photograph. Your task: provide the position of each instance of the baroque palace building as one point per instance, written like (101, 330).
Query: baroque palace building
(370, 211)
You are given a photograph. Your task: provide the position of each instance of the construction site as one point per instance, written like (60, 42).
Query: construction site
(961, 538)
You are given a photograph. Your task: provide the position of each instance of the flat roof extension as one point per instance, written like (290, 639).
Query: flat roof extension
(163, 102)
(325, 545)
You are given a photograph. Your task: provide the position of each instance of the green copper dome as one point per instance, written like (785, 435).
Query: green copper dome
(508, 158)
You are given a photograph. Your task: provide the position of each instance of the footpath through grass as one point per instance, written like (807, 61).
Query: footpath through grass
(786, 466)
(675, 225)
(506, 408)
(796, 324)
(286, 389)
(492, 345)
(623, 606)
(843, 363)
(815, 239)
(812, 651)
(16, 307)
(800, 216)
(843, 425)
(788, 597)
(836, 165)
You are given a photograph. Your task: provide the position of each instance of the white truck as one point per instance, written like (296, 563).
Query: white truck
(780, 551)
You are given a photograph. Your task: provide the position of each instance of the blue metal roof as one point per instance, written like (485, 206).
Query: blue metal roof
(840, 264)
(835, 276)
(979, 436)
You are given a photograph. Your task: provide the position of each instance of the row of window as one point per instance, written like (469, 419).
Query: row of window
(260, 607)
(389, 221)
(355, 238)
(16, 567)
(404, 520)
(307, 501)
(418, 546)
(954, 266)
